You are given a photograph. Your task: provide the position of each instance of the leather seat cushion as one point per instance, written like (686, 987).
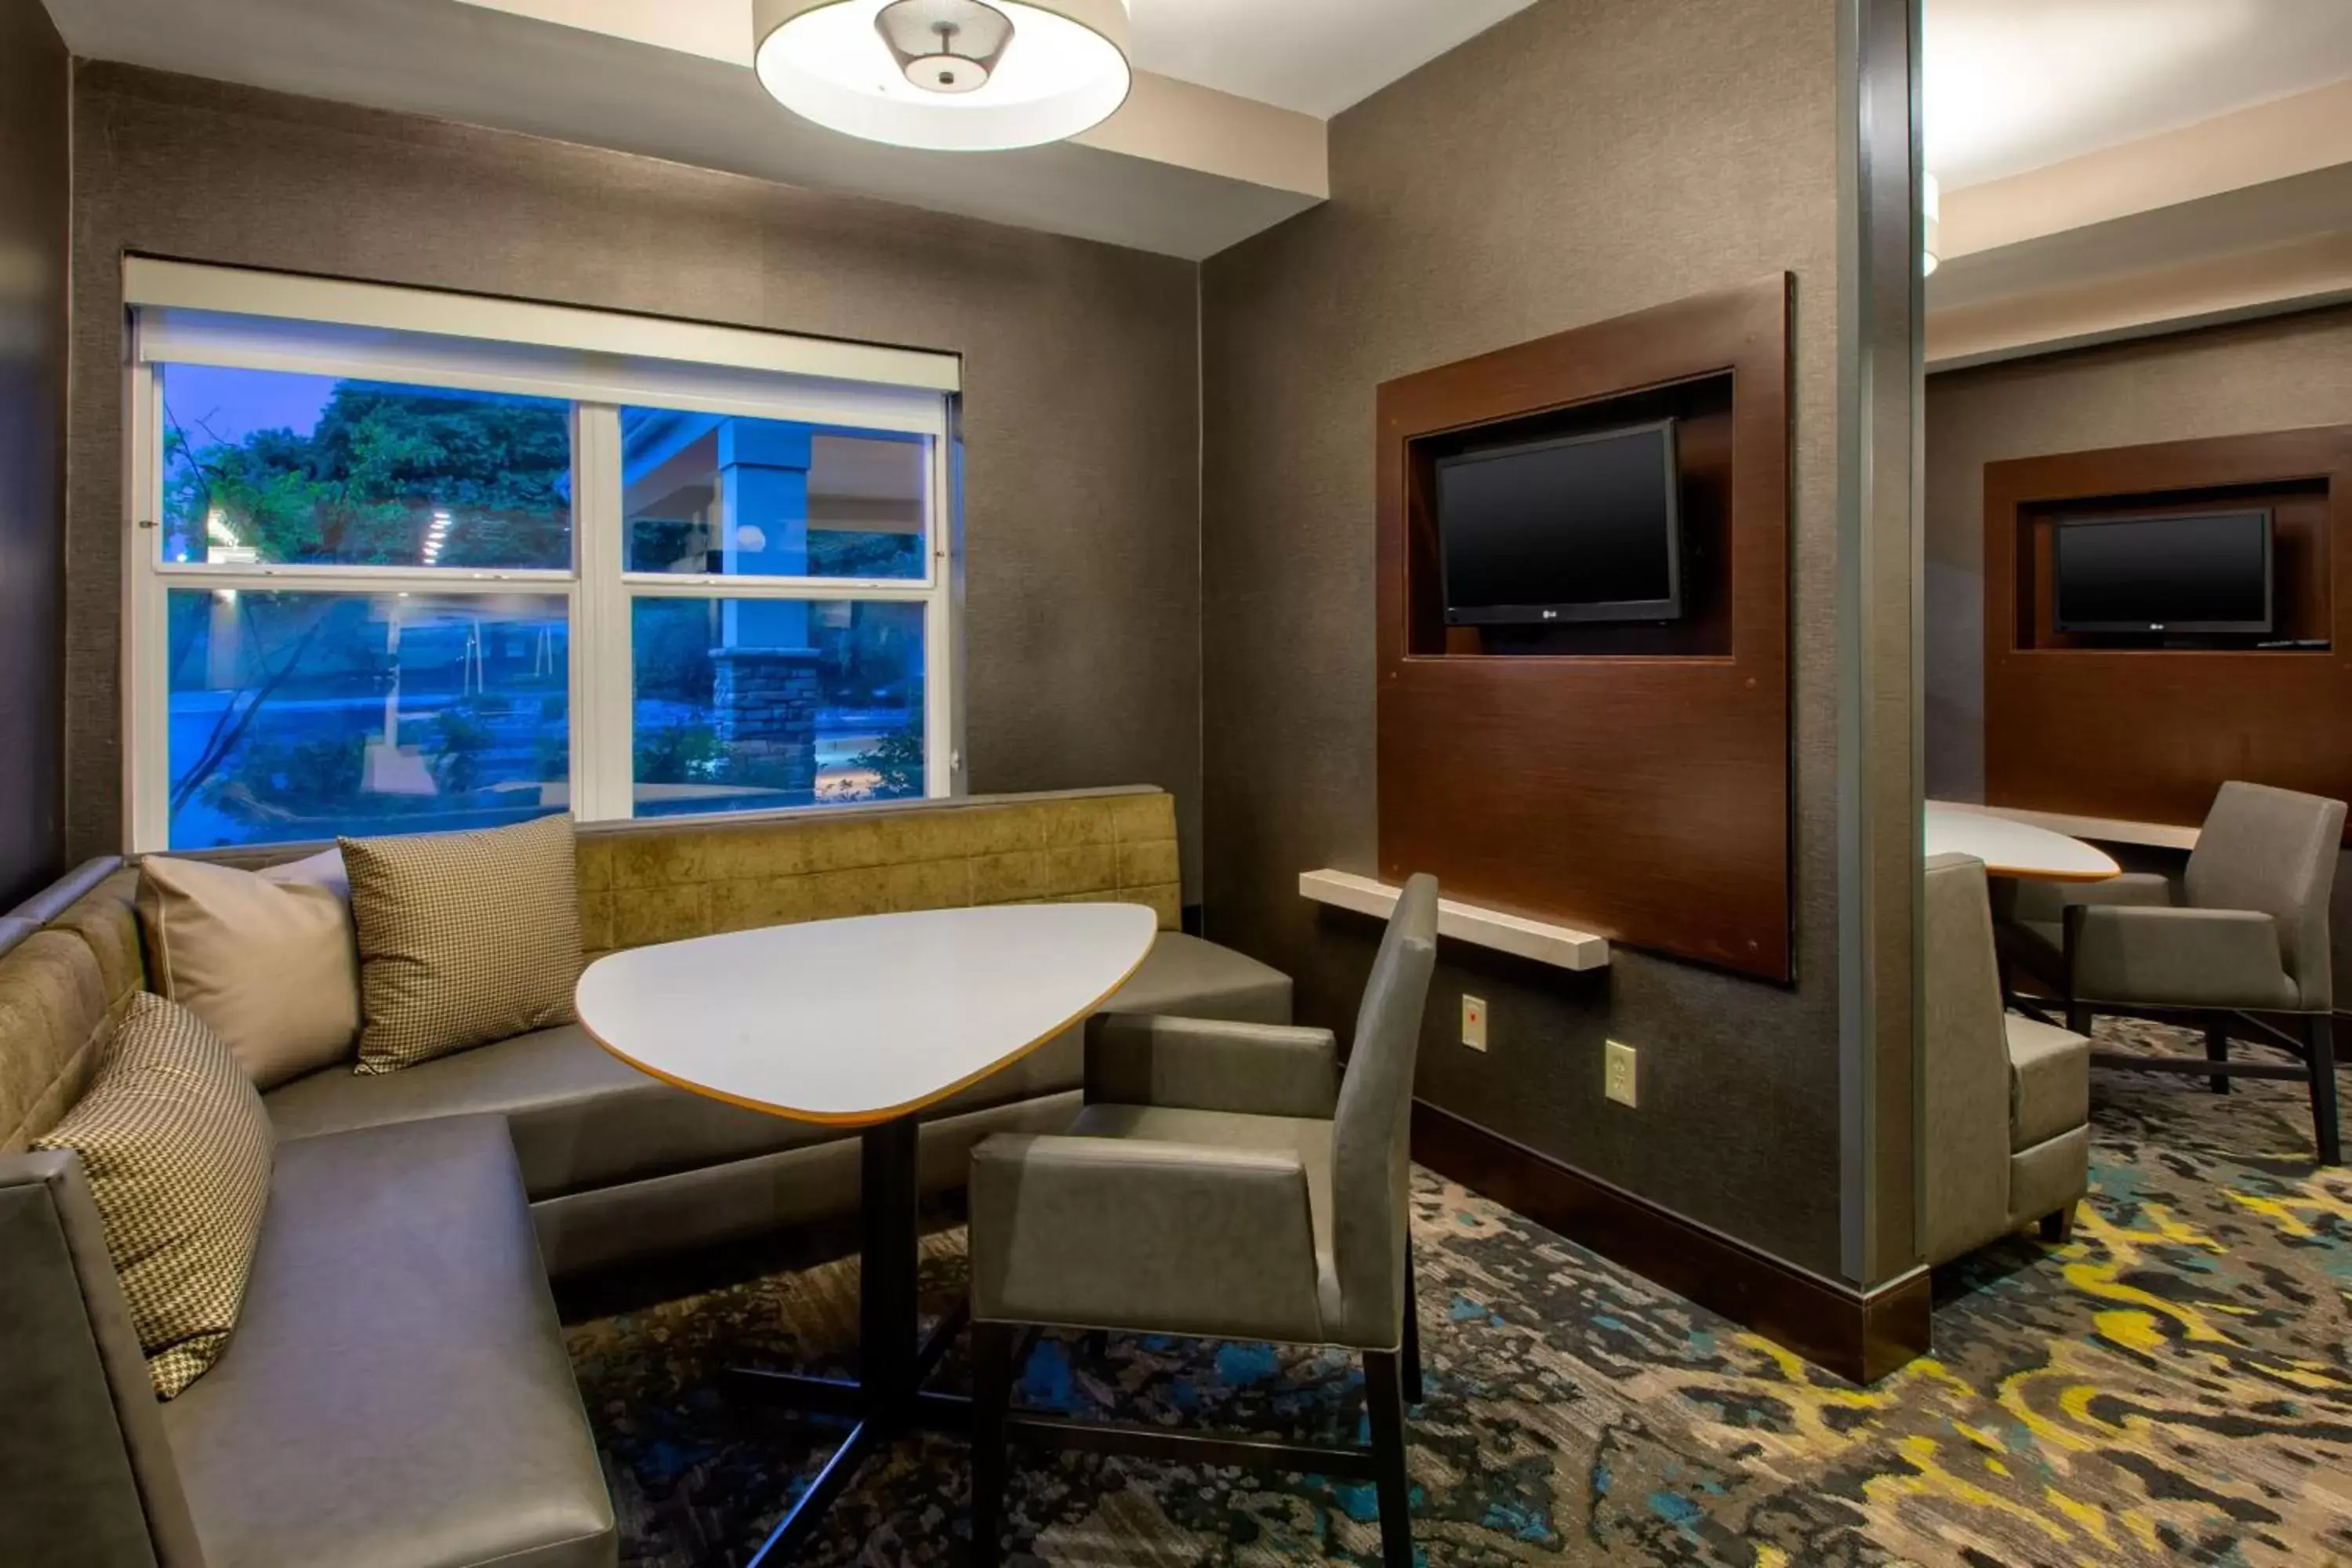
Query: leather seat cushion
(397, 1394)
(2049, 1082)
(580, 1117)
(1308, 1138)
(1182, 975)
(1195, 979)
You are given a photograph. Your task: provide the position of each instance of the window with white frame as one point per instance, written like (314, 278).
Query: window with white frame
(404, 562)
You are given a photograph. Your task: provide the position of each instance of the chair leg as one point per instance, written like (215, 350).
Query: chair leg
(2217, 1049)
(2320, 1032)
(1384, 1404)
(991, 1394)
(2059, 1228)
(1410, 1350)
(2079, 1018)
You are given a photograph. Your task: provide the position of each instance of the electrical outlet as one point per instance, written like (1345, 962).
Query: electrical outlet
(1473, 1022)
(1617, 1073)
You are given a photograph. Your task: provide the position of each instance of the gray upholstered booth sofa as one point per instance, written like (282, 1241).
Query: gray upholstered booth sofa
(397, 1394)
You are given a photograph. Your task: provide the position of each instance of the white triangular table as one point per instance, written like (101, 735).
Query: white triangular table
(2012, 849)
(863, 1023)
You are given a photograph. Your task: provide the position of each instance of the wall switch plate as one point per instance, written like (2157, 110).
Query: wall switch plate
(1617, 1072)
(1473, 1022)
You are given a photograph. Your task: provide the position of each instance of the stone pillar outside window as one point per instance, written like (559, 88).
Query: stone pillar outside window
(765, 701)
(765, 679)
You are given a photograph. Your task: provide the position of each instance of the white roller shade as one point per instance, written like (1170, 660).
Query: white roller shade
(191, 313)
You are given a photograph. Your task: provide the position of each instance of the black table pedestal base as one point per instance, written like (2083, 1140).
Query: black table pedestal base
(887, 1398)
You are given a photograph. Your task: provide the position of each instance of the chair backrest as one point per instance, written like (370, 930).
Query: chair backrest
(1964, 1087)
(2274, 850)
(1371, 1171)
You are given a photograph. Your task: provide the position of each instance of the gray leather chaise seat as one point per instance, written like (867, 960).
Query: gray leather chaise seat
(397, 1394)
(397, 1324)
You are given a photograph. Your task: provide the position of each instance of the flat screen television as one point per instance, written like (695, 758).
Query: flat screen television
(1581, 528)
(2209, 572)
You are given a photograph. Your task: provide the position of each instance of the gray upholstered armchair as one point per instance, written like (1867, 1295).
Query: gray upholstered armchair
(2007, 1099)
(1225, 1181)
(2251, 941)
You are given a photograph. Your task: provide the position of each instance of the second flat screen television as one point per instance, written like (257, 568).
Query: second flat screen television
(2209, 572)
(1583, 528)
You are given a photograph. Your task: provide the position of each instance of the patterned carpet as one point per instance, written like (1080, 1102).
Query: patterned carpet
(2173, 1386)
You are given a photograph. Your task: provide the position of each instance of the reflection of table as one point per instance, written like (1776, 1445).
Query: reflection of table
(862, 1024)
(2012, 849)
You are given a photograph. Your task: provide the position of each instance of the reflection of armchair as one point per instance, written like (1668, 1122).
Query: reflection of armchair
(2008, 1100)
(2251, 939)
(392, 768)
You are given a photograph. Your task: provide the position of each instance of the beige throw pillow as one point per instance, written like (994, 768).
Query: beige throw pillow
(464, 937)
(266, 958)
(178, 1150)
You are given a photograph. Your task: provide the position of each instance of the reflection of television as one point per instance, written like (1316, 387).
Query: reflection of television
(2207, 572)
(1583, 528)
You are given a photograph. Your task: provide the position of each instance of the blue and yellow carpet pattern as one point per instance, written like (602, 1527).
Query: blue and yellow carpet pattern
(2173, 1386)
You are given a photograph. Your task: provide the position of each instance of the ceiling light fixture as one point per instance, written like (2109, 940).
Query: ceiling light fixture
(1931, 224)
(952, 76)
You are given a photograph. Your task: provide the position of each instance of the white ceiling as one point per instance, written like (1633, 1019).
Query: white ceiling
(2013, 85)
(604, 82)
(1314, 55)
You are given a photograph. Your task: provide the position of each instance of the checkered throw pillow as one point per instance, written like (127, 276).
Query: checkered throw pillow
(177, 1149)
(464, 937)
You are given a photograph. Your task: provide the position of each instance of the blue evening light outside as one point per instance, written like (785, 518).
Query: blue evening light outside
(270, 468)
(738, 497)
(301, 715)
(755, 704)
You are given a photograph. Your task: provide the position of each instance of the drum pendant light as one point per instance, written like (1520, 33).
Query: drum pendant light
(946, 75)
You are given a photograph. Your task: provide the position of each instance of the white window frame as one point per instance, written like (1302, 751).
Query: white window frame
(599, 363)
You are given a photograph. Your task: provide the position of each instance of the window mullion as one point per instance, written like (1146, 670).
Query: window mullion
(942, 728)
(603, 726)
(440, 582)
(660, 585)
(146, 679)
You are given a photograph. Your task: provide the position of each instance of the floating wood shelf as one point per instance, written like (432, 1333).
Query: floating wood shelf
(2099, 829)
(1563, 947)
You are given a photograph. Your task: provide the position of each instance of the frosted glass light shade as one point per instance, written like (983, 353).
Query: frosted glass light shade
(1063, 70)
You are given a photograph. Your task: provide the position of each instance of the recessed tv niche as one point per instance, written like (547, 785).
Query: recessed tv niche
(2207, 573)
(1578, 527)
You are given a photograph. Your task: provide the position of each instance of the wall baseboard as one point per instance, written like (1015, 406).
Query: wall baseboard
(1859, 1334)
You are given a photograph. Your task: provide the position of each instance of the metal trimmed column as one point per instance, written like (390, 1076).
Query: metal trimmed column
(1880, 305)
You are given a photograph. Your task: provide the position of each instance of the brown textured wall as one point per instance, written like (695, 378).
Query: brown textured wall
(1081, 376)
(1581, 160)
(2283, 373)
(35, 186)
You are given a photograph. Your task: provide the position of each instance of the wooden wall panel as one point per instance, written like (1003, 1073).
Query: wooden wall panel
(1644, 796)
(2148, 734)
